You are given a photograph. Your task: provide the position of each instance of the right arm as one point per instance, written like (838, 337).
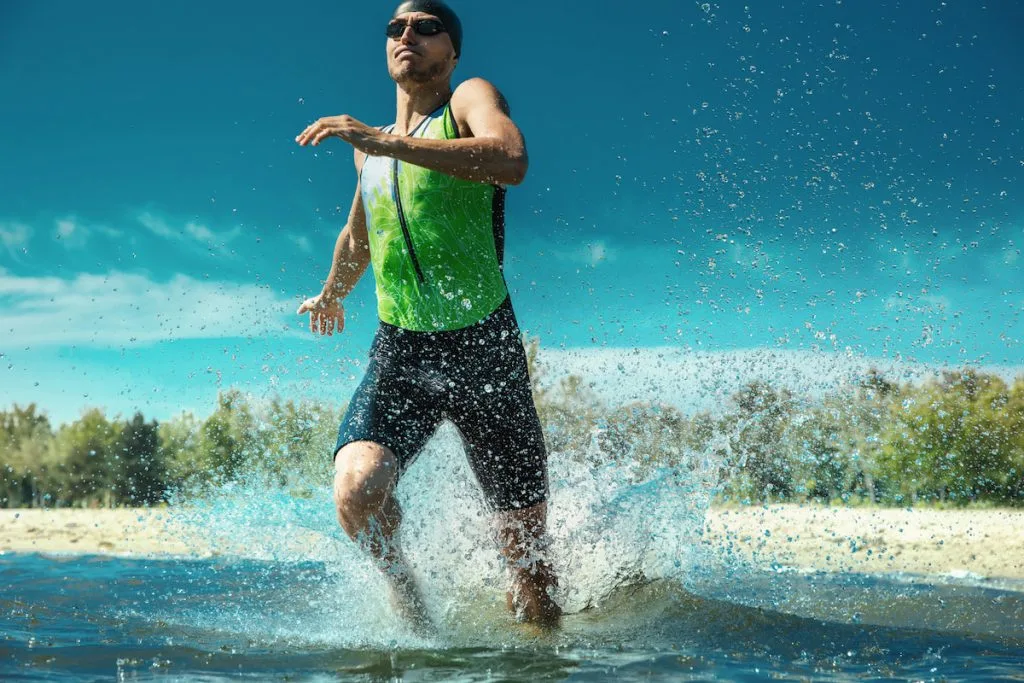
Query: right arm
(351, 257)
(351, 253)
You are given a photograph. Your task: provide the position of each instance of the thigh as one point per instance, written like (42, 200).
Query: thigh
(390, 409)
(494, 410)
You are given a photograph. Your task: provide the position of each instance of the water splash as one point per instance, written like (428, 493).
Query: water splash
(612, 525)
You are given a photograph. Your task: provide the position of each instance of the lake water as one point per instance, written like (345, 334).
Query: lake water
(649, 600)
(99, 618)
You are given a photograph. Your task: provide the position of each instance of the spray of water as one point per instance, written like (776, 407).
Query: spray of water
(627, 509)
(612, 523)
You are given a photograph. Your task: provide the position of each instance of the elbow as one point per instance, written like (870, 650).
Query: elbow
(517, 170)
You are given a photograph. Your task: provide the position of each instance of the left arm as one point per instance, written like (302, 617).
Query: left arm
(491, 149)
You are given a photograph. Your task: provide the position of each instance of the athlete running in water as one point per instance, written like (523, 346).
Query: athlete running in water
(429, 215)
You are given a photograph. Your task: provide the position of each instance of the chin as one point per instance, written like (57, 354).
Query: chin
(405, 72)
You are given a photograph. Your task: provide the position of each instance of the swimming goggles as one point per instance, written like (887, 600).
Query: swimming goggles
(422, 27)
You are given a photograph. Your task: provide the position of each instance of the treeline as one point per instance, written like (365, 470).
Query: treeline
(96, 461)
(956, 439)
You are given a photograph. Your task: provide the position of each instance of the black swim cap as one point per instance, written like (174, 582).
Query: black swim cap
(440, 10)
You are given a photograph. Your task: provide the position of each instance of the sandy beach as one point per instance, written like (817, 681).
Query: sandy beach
(986, 543)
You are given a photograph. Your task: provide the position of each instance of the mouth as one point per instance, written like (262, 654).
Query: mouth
(405, 52)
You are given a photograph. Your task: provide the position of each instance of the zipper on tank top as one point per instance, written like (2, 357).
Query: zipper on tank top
(401, 220)
(397, 193)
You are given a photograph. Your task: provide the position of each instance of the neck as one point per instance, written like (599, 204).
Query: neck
(416, 100)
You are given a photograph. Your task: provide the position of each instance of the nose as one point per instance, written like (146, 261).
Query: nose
(408, 35)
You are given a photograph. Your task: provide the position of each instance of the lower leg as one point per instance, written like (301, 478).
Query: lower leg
(365, 478)
(523, 543)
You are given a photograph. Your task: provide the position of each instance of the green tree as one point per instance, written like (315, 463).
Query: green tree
(758, 423)
(701, 433)
(228, 437)
(85, 454)
(985, 439)
(25, 435)
(867, 415)
(646, 435)
(297, 439)
(955, 439)
(142, 473)
(1014, 411)
(179, 450)
(569, 412)
(821, 470)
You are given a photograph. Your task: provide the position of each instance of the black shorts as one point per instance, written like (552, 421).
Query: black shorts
(477, 378)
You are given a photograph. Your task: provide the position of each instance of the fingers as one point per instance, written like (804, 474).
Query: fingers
(329, 323)
(323, 320)
(311, 131)
(316, 132)
(308, 305)
(341, 126)
(321, 134)
(324, 324)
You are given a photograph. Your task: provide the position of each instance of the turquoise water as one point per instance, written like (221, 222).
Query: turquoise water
(98, 618)
(289, 598)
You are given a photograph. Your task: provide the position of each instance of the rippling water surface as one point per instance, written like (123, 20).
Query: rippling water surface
(87, 618)
(290, 599)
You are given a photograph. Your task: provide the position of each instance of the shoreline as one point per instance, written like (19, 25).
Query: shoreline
(984, 543)
(987, 543)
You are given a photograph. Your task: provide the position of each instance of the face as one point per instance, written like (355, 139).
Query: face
(413, 58)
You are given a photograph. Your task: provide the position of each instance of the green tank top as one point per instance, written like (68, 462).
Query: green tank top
(436, 241)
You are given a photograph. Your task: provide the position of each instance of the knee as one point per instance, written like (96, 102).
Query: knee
(364, 476)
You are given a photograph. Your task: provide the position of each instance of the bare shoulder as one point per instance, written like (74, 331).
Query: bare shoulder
(474, 86)
(477, 98)
(476, 91)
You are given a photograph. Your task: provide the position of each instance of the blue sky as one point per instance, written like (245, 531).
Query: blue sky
(793, 176)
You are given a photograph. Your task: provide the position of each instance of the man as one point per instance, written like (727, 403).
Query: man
(429, 214)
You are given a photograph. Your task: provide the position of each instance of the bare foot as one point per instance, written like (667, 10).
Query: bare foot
(530, 597)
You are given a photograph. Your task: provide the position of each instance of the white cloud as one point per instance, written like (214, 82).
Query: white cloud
(302, 242)
(199, 232)
(191, 233)
(14, 236)
(74, 234)
(590, 254)
(122, 308)
(66, 229)
(158, 227)
(599, 252)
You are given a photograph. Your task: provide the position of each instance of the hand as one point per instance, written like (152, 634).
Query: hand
(325, 315)
(354, 132)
